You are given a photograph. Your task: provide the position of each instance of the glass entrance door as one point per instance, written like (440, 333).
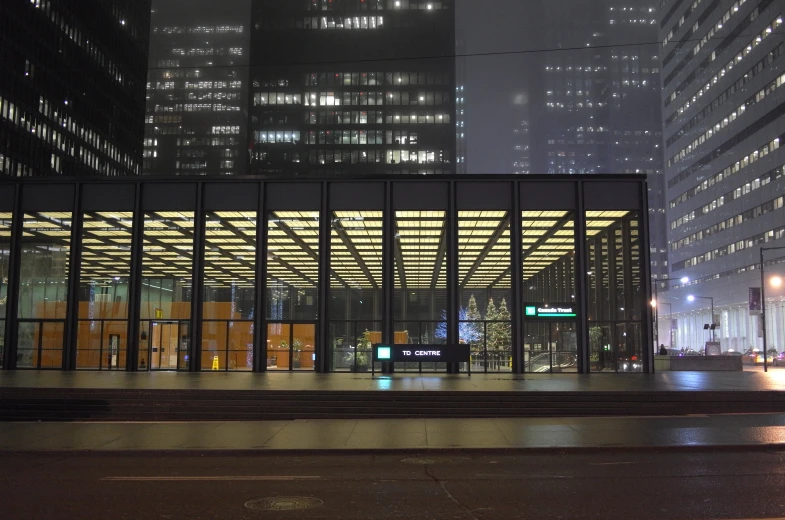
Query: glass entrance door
(551, 347)
(291, 346)
(168, 345)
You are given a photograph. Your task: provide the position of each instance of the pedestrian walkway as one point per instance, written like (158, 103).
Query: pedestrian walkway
(404, 381)
(729, 431)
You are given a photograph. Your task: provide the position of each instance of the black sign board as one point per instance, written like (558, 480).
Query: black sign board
(422, 353)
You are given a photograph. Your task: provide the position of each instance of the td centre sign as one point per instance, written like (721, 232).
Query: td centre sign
(549, 311)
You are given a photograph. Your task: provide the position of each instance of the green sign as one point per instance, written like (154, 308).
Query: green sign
(549, 311)
(384, 353)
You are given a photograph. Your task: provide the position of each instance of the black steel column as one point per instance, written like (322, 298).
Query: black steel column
(388, 266)
(12, 293)
(74, 266)
(260, 298)
(197, 284)
(581, 283)
(135, 283)
(453, 288)
(516, 256)
(323, 290)
(645, 259)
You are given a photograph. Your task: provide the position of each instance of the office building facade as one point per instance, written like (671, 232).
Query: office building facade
(534, 273)
(72, 89)
(724, 118)
(197, 92)
(353, 86)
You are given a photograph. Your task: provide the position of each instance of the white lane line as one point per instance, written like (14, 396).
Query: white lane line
(213, 478)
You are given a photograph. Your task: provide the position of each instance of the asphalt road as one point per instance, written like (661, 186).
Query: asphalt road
(613, 485)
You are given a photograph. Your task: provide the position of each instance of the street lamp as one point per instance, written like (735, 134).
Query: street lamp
(763, 302)
(683, 280)
(692, 297)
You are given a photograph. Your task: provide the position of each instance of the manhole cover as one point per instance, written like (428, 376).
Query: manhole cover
(283, 503)
(425, 460)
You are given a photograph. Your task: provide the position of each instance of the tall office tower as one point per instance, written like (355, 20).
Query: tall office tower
(595, 98)
(723, 73)
(460, 107)
(353, 86)
(72, 88)
(197, 97)
(521, 152)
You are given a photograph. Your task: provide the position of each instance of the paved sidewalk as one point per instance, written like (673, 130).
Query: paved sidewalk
(737, 431)
(401, 381)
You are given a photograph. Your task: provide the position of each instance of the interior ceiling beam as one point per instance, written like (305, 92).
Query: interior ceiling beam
(308, 250)
(440, 255)
(399, 256)
(355, 254)
(501, 227)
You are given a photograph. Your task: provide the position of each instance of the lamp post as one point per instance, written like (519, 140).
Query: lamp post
(655, 301)
(763, 304)
(692, 297)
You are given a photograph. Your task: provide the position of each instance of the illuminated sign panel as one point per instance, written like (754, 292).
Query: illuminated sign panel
(549, 311)
(422, 353)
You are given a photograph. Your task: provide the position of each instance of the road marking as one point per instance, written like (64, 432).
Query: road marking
(610, 463)
(213, 478)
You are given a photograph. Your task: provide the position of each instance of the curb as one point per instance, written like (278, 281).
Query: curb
(267, 452)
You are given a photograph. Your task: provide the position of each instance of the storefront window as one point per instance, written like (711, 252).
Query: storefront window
(229, 290)
(550, 342)
(292, 284)
(420, 306)
(616, 291)
(102, 328)
(167, 265)
(484, 266)
(43, 289)
(355, 288)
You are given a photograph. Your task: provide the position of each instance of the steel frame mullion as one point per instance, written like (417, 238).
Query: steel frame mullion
(644, 244)
(581, 282)
(135, 287)
(388, 265)
(197, 284)
(74, 268)
(323, 291)
(453, 288)
(516, 257)
(260, 312)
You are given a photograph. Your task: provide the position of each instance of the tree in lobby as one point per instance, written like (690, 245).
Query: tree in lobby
(475, 333)
(501, 338)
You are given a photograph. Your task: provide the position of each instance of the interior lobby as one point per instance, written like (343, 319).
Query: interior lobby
(257, 275)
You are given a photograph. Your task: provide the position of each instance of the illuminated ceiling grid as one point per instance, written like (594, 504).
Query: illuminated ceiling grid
(483, 249)
(293, 248)
(230, 249)
(420, 249)
(47, 233)
(547, 237)
(168, 244)
(356, 249)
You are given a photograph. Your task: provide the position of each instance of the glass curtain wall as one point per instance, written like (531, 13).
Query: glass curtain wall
(292, 289)
(549, 278)
(165, 314)
(420, 270)
(355, 288)
(616, 291)
(229, 290)
(484, 274)
(102, 327)
(43, 289)
(6, 219)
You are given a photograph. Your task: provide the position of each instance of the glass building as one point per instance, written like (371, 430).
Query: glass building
(72, 87)
(353, 86)
(241, 274)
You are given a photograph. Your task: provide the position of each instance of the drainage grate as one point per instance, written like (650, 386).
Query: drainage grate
(283, 503)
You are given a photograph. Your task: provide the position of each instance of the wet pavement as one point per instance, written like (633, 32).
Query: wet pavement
(412, 485)
(587, 433)
(412, 381)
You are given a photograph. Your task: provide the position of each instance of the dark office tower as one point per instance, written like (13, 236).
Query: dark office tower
(197, 97)
(72, 86)
(353, 86)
